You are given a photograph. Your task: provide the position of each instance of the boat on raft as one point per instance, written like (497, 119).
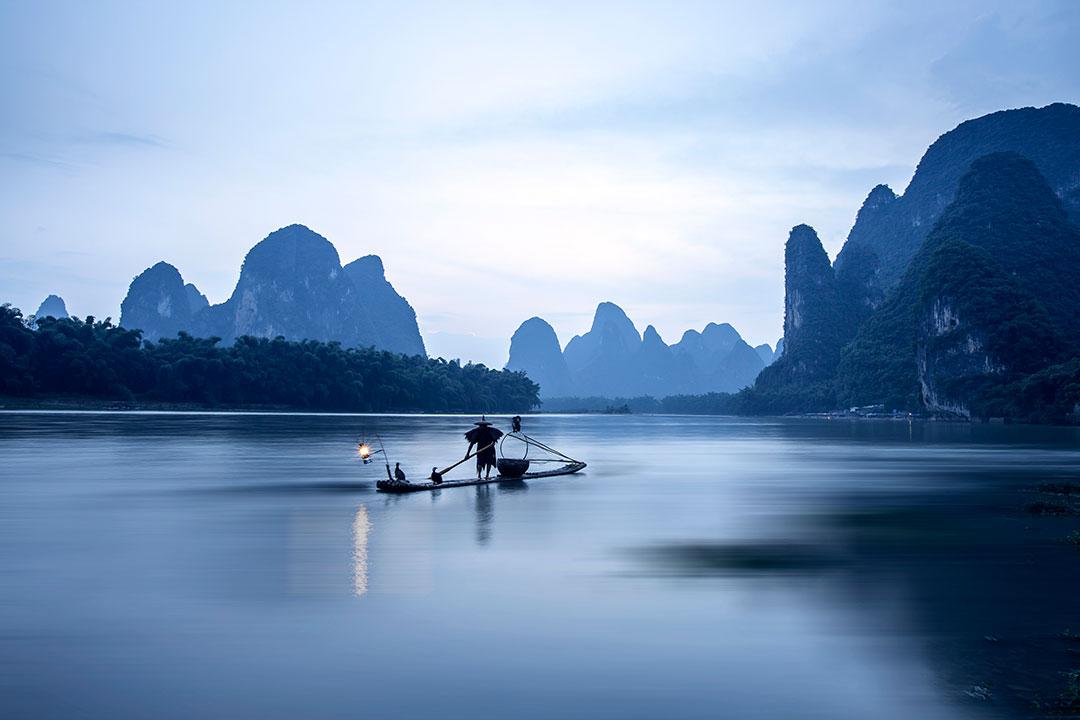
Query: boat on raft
(510, 469)
(388, 486)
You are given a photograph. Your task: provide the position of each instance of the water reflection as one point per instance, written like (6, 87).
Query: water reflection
(360, 529)
(485, 514)
(512, 486)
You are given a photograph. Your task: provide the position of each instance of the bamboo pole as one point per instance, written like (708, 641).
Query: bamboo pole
(447, 469)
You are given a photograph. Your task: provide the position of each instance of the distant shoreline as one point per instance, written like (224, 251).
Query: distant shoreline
(69, 404)
(94, 405)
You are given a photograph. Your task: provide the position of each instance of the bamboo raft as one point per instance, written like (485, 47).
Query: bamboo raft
(388, 486)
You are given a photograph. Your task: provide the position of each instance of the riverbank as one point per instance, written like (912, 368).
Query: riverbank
(81, 404)
(103, 405)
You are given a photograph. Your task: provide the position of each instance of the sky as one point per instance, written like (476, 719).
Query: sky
(504, 159)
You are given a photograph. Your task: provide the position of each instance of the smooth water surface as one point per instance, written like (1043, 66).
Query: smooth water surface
(243, 566)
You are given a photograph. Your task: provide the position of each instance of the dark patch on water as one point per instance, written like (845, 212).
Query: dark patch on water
(737, 558)
(297, 488)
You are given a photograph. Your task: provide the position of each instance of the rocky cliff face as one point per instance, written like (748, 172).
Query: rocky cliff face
(158, 303)
(613, 360)
(534, 348)
(816, 315)
(52, 306)
(989, 298)
(196, 300)
(809, 287)
(888, 232)
(976, 328)
(291, 284)
(381, 313)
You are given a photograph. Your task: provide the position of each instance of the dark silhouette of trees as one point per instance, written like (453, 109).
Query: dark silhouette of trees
(96, 359)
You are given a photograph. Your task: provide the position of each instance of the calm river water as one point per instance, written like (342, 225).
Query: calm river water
(243, 566)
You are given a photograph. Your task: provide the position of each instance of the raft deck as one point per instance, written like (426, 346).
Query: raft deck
(409, 487)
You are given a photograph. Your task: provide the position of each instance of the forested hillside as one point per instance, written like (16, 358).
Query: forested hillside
(989, 299)
(827, 306)
(93, 359)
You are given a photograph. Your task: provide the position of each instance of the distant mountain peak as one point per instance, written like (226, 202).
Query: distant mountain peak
(720, 329)
(196, 300)
(709, 345)
(803, 235)
(291, 284)
(369, 265)
(880, 196)
(805, 256)
(52, 306)
(535, 349)
(895, 229)
(765, 352)
(652, 337)
(288, 248)
(157, 303)
(997, 178)
(609, 312)
(536, 323)
(612, 360)
(161, 269)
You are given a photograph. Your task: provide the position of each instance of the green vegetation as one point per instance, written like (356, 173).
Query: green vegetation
(997, 323)
(1051, 395)
(982, 322)
(821, 317)
(984, 312)
(91, 359)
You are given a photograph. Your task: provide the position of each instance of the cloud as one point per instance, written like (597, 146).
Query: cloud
(1003, 59)
(124, 139)
(31, 158)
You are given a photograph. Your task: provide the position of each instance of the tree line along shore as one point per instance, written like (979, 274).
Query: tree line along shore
(68, 361)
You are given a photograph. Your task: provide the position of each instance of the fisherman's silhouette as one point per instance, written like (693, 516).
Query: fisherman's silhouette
(483, 436)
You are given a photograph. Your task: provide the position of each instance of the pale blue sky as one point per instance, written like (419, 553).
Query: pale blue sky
(540, 156)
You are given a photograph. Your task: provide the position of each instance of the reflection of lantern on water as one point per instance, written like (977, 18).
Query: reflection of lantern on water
(361, 528)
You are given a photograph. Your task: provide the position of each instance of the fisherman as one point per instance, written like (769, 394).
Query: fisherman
(483, 436)
(399, 474)
(515, 424)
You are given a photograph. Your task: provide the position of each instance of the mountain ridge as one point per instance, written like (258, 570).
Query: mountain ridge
(612, 359)
(291, 284)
